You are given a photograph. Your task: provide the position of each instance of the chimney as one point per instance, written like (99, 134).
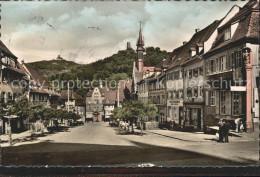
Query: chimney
(197, 30)
(184, 42)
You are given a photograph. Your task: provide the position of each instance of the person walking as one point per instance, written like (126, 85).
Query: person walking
(226, 128)
(220, 131)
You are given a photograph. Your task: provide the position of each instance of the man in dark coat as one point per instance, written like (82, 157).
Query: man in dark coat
(220, 130)
(226, 128)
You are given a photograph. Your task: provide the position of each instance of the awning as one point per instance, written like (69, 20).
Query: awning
(238, 88)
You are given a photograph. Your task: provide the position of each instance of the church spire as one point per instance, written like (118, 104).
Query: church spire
(140, 51)
(140, 41)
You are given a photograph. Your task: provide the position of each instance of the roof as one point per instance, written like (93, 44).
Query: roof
(37, 76)
(34, 90)
(6, 51)
(72, 95)
(247, 29)
(17, 70)
(180, 54)
(102, 91)
(140, 40)
(110, 97)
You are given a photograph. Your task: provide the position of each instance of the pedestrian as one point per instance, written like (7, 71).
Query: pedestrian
(242, 128)
(220, 131)
(182, 123)
(226, 128)
(238, 124)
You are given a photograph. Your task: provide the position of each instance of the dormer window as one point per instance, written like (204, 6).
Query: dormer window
(227, 34)
(192, 52)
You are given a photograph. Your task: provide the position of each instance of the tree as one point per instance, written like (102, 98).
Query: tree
(133, 110)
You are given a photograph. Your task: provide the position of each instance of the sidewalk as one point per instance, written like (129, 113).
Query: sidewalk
(18, 138)
(201, 137)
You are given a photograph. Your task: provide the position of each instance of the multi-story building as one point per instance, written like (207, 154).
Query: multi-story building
(73, 102)
(157, 94)
(232, 68)
(101, 101)
(13, 85)
(94, 104)
(109, 103)
(40, 91)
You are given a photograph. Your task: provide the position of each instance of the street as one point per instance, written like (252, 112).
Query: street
(97, 144)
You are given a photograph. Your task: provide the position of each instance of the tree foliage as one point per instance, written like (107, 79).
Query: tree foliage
(116, 67)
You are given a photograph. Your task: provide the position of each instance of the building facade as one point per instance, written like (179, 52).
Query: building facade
(73, 103)
(232, 68)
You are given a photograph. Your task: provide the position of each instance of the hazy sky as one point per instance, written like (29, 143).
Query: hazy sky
(42, 30)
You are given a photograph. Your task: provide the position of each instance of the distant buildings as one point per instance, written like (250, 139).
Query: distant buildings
(101, 101)
(72, 102)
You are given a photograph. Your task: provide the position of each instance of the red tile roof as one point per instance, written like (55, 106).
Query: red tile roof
(247, 29)
(180, 54)
(110, 97)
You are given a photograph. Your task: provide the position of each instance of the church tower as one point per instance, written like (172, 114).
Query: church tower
(140, 51)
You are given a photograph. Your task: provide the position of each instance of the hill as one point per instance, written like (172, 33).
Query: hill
(116, 67)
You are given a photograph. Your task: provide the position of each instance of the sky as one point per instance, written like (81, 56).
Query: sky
(88, 31)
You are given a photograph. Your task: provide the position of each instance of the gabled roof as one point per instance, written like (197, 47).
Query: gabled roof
(102, 91)
(110, 97)
(247, 29)
(36, 75)
(179, 55)
(72, 95)
(6, 51)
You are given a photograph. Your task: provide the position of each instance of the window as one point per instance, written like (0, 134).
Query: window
(195, 91)
(227, 34)
(195, 71)
(217, 64)
(180, 93)
(200, 91)
(213, 98)
(235, 103)
(190, 73)
(189, 92)
(177, 94)
(223, 63)
(212, 66)
(237, 59)
(223, 102)
(181, 74)
(176, 75)
(201, 71)
(33, 97)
